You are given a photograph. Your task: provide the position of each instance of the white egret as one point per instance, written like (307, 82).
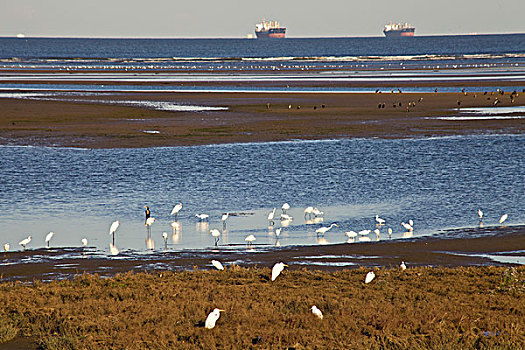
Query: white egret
(224, 218)
(390, 231)
(202, 217)
(6, 247)
(113, 228)
(176, 209)
(48, 238)
(84, 242)
(271, 215)
(503, 218)
(480, 214)
(250, 239)
(285, 207)
(308, 211)
(317, 312)
(377, 232)
(364, 232)
(410, 222)
(403, 266)
(212, 318)
(379, 220)
(369, 277)
(325, 229)
(351, 234)
(407, 227)
(113, 250)
(150, 221)
(216, 233)
(316, 212)
(277, 269)
(25, 242)
(278, 232)
(217, 264)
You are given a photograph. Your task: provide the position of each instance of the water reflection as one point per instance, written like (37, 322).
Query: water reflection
(408, 234)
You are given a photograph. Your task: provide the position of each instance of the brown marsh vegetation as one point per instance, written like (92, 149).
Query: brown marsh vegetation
(419, 308)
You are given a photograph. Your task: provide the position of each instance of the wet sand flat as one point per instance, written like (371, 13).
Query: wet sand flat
(250, 117)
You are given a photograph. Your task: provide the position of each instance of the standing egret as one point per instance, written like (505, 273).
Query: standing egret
(369, 277)
(113, 229)
(224, 218)
(364, 232)
(216, 233)
(351, 234)
(212, 318)
(48, 238)
(271, 215)
(480, 214)
(317, 312)
(217, 264)
(202, 217)
(377, 232)
(325, 229)
(403, 266)
(113, 250)
(379, 220)
(285, 207)
(277, 269)
(407, 227)
(308, 212)
(25, 242)
(176, 209)
(6, 247)
(250, 239)
(165, 237)
(503, 218)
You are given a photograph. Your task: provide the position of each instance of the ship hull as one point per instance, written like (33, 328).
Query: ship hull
(399, 33)
(278, 33)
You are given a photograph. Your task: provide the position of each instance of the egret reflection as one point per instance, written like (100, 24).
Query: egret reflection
(408, 234)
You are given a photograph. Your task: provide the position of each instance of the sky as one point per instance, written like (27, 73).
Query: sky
(237, 18)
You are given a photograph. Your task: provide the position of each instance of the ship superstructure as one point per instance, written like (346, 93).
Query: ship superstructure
(398, 30)
(269, 29)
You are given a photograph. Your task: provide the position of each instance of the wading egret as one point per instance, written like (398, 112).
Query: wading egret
(113, 228)
(480, 214)
(317, 312)
(407, 227)
(176, 209)
(165, 238)
(390, 231)
(6, 247)
(224, 218)
(212, 318)
(48, 238)
(25, 242)
(379, 220)
(377, 232)
(369, 277)
(308, 211)
(323, 230)
(364, 232)
(216, 233)
(250, 239)
(271, 215)
(150, 221)
(285, 207)
(217, 264)
(503, 218)
(202, 217)
(351, 234)
(403, 266)
(277, 269)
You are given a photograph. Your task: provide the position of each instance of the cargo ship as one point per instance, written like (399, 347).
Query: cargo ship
(269, 29)
(398, 30)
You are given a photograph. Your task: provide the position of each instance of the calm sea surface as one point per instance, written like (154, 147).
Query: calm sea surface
(439, 183)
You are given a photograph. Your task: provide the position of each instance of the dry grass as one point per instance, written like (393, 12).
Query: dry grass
(420, 308)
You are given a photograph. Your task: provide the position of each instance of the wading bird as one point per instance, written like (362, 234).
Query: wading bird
(277, 269)
(403, 266)
(165, 238)
(217, 234)
(6, 247)
(113, 229)
(48, 238)
(503, 218)
(271, 216)
(84, 242)
(285, 207)
(380, 221)
(202, 217)
(351, 234)
(25, 242)
(325, 229)
(480, 214)
(364, 232)
(224, 218)
(308, 212)
(176, 209)
(286, 217)
(250, 239)
(217, 264)
(150, 222)
(317, 312)
(278, 232)
(212, 318)
(407, 227)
